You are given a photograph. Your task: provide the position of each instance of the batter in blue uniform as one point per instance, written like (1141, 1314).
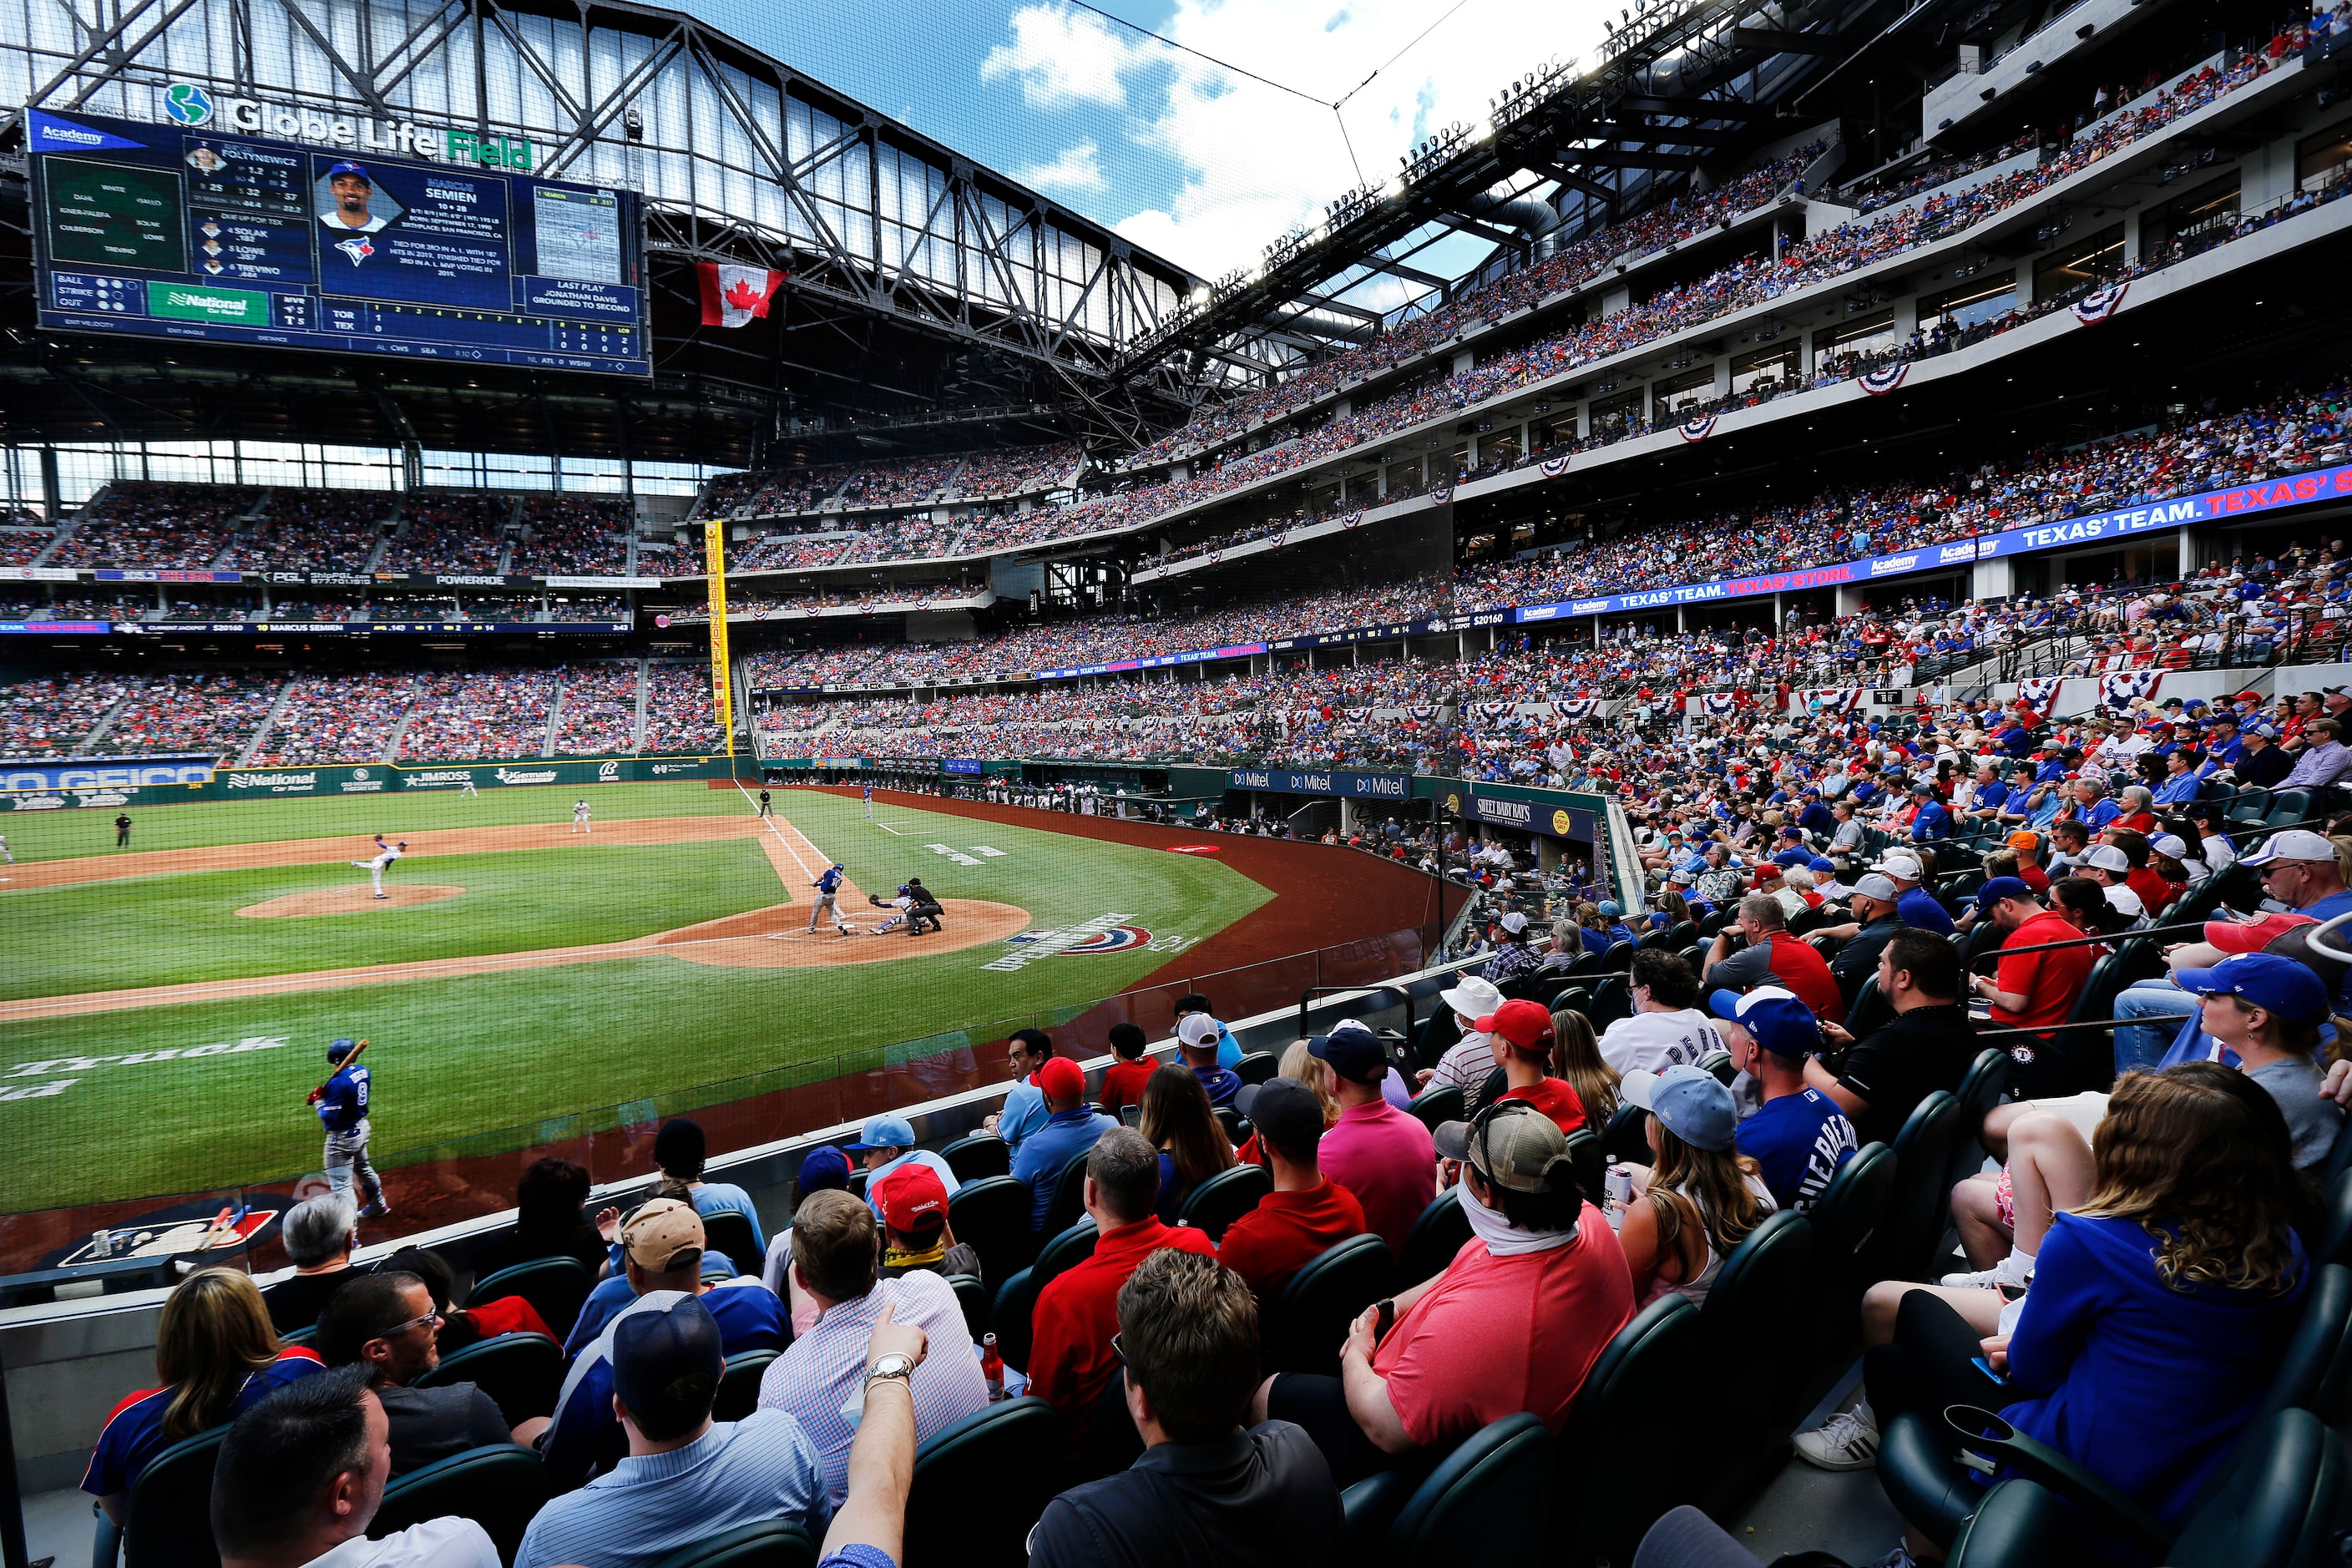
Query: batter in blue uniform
(828, 896)
(342, 1102)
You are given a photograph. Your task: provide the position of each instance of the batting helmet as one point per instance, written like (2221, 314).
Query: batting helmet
(338, 1049)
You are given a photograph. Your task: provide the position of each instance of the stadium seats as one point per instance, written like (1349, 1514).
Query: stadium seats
(1763, 1295)
(739, 1388)
(768, 1543)
(1070, 1202)
(991, 1216)
(1075, 1244)
(972, 1295)
(1223, 1198)
(499, 1488)
(1984, 1086)
(1435, 1106)
(729, 1233)
(521, 1372)
(1304, 1326)
(1628, 1136)
(1920, 1205)
(1256, 1067)
(167, 1520)
(1488, 1501)
(978, 1156)
(556, 1289)
(1845, 1220)
(980, 1484)
(1439, 1233)
(1590, 1160)
(1635, 1397)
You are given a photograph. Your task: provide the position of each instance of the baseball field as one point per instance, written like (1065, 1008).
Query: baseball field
(164, 1005)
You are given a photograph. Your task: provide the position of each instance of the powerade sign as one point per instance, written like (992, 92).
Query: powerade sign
(1349, 786)
(2182, 511)
(104, 773)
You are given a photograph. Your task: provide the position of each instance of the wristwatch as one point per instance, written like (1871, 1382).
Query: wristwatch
(891, 1364)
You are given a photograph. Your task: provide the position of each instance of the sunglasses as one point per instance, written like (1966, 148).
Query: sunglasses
(399, 1329)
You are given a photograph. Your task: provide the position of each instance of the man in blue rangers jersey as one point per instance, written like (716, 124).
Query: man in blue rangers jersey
(342, 1102)
(829, 900)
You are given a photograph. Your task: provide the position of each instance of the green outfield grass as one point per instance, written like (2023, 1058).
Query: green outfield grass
(66, 835)
(480, 1057)
(515, 901)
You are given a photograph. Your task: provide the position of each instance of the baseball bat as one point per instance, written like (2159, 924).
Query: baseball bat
(340, 1066)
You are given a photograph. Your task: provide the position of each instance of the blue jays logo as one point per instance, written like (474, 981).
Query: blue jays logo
(187, 104)
(1119, 939)
(357, 248)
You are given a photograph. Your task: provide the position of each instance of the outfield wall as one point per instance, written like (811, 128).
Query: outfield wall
(50, 786)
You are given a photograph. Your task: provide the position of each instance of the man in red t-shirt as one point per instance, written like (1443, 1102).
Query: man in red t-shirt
(1070, 1358)
(1307, 1213)
(1773, 957)
(1520, 1031)
(2032, 990)
(1513, 1323)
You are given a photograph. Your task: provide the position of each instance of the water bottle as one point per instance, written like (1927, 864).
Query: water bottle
(992, 1368)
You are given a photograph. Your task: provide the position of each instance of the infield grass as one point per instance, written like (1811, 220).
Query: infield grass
(488, 1057)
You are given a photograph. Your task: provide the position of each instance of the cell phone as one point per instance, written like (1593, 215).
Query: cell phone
(1384, 1322)
(1985, 1367)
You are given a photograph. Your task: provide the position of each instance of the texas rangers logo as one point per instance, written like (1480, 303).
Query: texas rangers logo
(1117, 939)
(357, 248)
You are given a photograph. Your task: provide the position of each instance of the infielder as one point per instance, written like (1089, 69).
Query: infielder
(10, 854)
(467, 787)
(386, 854)
(342, 1102)
(869, 803)
(828, 901)
(580, 817)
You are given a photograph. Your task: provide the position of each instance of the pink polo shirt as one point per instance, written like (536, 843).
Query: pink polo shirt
(1384, 1156)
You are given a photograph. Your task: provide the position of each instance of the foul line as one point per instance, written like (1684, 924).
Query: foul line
(771, 821)
(888, 830)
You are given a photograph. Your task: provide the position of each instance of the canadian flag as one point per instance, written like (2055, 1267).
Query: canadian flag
(733, 295)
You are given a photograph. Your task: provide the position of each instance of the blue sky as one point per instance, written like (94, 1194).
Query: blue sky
(1195, 163)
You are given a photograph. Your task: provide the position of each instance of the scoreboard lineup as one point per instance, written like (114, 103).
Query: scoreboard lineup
(168, 231)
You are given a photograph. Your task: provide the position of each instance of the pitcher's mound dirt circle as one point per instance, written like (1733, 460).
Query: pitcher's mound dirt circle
(778, 937)
(348, 900)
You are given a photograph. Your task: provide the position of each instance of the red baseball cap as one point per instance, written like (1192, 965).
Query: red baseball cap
(914, 1198)
(2253, 936)
(1524, 1024)
(1061, 1078)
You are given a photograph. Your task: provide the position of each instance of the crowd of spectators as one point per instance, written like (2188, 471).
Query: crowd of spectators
(574, 536)
(50, 716)
(187, 714)
(905, 481)
(337, 718)
(494, 714)
(449, 533)
(181, 527)
(678, 716)
(313, 530)
(600, 709)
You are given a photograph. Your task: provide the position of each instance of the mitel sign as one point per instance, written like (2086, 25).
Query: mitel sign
(1351, 786)
(190, 104)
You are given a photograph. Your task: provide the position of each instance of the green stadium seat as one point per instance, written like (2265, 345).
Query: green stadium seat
(767, 1544)
(1223, 1198)
(1304, 1326)
(978, 1156)
(168, 1520)
(500, 1487)
(739, 1387)
(980, 1485)
(556, 1287)
(523, 1373)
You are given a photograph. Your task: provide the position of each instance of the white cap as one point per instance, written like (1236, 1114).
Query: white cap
(2107, 858)
(1515, 922)
(2170, 843)
(2125, 900)
(1197, 1030)
(2291, 844)
(1472, 997)
(1902, 867)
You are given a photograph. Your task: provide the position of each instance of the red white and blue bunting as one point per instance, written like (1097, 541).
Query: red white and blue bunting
(1879, 383)
(2119, 690)
(2041, 692)
(1699, 428)
(2099, 304)
(1553, 467)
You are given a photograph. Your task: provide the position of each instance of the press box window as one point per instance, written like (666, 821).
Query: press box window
(2080, 268)
(1613, 416)
(2196, 221)
(1965, 307)
(1765, 367)
(2324, 160)
(1677, 393)
(1866, 336)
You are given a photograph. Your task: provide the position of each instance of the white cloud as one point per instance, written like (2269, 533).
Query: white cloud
(1241, 161)
(1064, 58)
(1076, 169)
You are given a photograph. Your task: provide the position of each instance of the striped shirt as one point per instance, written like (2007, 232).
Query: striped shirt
(823, 1373)
(739, 1472)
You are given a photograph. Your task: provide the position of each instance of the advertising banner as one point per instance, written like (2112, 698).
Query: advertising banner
(723, 695)
(48, 785)
(1349, 786)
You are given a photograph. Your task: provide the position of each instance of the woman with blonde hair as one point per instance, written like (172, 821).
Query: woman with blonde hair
(1304, 1064)
(216, 1355)
(1702, 1198)
(1179, 1123)
(1576, 1057)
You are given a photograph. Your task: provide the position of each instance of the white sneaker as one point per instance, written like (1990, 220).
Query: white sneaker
(1899, 1558)
(2007, 1271)
(1845, 1442)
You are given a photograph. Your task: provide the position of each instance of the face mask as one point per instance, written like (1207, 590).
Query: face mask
(1504, 1239)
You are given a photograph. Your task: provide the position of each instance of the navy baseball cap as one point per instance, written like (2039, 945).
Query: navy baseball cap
(2000, 888)
(1354, 1052)
(666, 1364)
(884, 1133)
(2264, 979)
(1285, 1112)
(824, 1168)
(349, 169)
(1780, 1022)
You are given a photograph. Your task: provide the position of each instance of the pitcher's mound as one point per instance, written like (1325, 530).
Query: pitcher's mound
(348, 900)
(777, 937)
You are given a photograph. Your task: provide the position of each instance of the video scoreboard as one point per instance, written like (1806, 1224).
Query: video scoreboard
(194, 232)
